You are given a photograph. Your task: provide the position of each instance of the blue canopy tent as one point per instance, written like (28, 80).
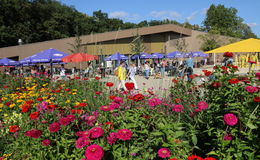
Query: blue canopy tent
(116, 57)
(199, 54)
(49, 55)
(142, 56)
(8, 62)
(175, 54)
(158, 55)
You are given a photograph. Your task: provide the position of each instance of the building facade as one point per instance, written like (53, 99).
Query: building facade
(157, 39)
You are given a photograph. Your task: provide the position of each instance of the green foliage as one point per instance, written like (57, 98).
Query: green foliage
(137, 45)
(226, 22)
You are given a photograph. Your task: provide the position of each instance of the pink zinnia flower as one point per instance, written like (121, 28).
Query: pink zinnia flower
(90, 120)
(202, 105)
(154, 102)
(111, 139)
(228, 137)
(114, 105)
(124, 134)
(118, 100)
(46, 142)
(177, 108)
(251, 89)
(54, 127)
(94, 152)
(257, 74)
(82, 142)
(96, 132)
(64, 121)
(164, 153)
(71, 117)
(230, 119)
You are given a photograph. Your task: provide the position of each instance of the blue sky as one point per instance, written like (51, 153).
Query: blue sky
(179, 10)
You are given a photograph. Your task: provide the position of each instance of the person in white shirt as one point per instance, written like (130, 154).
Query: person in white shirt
(131, 74)
(62, 72)
(146, 70)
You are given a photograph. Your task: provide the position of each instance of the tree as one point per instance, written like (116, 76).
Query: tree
(181, 45)
(76, 46)
(210, 41)
(137, 46)
(226, 22)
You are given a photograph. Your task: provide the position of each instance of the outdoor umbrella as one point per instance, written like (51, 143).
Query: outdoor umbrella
(157, 56)
(199, 54)
(49, 55)
(175, 54)
(79, 57)
(8, 62)
(142, 56)
(117, 56)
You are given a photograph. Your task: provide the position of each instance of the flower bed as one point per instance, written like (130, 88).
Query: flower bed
(88, 119)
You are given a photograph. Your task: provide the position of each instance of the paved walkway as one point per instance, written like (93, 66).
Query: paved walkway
(159, 85)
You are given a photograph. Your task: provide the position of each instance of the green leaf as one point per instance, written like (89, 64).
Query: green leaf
(251, 126)
(194, 139)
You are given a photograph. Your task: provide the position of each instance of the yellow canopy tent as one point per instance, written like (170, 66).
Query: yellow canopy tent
(249, 45)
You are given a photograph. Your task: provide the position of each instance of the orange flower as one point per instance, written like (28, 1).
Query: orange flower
(14, 128)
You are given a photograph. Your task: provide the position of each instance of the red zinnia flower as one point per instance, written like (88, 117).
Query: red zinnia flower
(138, 97)
(67, 89)
(14, 128)
(39, 99)
(97, 78)
(54, 127)
(112, 97)
(233, 81)
(256, 99)
(129, 86)
(194, 157)
(175, 80)
(26, 108)
(177, 100)
(98, 92)
(210, 158)
(109, 84)
(28, 102)
(216, 84)
(83, 104)
(206, 72)
(228, 54)
(34, 133)
(34, 115)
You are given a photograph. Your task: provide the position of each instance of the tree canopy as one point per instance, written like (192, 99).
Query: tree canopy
(225, 21)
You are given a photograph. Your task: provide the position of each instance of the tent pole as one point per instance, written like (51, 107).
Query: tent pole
(214, 58)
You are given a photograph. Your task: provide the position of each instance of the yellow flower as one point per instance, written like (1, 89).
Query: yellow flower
(49, 101)
(68, 101)
(19, 101)
(12, 105)
(4, 98)
(74, 90)
(84, 100)
(74, 93)
(77, 103)
(1, 105)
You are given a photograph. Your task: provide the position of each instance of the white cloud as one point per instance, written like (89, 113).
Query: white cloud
(193, 14)
(124, 16)
(205, 10)
(133, 17)
(252, 24)
(118, 14)
(165, 14)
